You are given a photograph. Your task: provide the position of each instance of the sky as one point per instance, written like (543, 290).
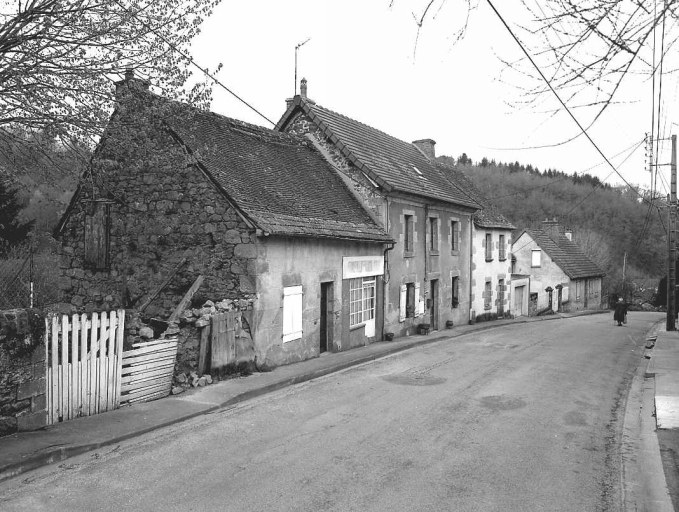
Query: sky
(365, 59)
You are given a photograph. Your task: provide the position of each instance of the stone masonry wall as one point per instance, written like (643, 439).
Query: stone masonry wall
(22, 372)
(301, 125)
(162, 209)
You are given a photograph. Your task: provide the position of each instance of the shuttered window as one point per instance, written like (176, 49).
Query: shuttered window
(455, 286)
(409, 235)
(97, 234)
(408, 297)
(292, 313)
(489, 247)
(454, 235)
(502, 254)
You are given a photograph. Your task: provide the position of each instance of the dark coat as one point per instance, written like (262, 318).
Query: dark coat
(620, 312)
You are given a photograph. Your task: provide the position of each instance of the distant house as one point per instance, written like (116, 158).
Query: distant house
(427, 273)
(491, 254)
(174, 192)
(561, 276)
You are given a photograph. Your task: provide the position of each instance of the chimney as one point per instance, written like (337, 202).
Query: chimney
(426, 146)
(302, 88)
(551, 227)
(130, 81)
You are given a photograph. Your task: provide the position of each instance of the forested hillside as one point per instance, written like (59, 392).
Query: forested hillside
(607, 222)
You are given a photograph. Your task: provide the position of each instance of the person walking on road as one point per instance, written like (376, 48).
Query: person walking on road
(620, 314)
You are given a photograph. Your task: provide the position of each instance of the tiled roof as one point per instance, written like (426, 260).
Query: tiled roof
(488, 216)
(390, 162)
(278, 180)
(566, 254)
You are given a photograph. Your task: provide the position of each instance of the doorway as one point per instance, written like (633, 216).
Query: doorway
(434, 304)
(501, 298)
(518, 301)
(326, 316)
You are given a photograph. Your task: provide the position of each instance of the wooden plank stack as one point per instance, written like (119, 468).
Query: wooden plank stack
(147, 371)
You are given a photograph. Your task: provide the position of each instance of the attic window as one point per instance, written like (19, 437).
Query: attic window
(419, 173)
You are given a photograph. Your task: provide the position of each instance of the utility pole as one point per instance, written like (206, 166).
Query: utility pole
(672, 265)
(624, 265)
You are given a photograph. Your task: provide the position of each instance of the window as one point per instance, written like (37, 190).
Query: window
(408, 300)
(488, 295)
(409, 233)
(535, 256)
(292, 313)
(361, 300)
(502, 255)
(454, 235)
(433, 234)
(455, 287)
(97, 232)
(489, 247)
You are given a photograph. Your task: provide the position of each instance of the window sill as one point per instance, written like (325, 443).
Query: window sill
(502, 259)
(488, 260)
(292, 336)
(455, 252)
(357, 326)
(535, 266)
(408, 254)
(433, 253)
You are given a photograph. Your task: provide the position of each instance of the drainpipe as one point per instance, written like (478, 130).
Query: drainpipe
(386, 278)
(471, 262)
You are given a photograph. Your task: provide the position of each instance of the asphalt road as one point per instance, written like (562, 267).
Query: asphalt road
(527, 417)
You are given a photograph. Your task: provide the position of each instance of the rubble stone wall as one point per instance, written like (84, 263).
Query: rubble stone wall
(23, 401)
(162, 208)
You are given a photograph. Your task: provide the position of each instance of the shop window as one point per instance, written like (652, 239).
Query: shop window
(362, 300)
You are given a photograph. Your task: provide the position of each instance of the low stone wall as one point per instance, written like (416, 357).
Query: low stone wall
(23, 401)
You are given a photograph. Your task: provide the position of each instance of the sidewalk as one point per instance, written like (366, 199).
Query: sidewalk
(25, 451)
(665, 365)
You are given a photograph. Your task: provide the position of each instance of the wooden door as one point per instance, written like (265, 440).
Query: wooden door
(326, 316)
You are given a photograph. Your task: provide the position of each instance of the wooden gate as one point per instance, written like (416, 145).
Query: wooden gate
(83, 364)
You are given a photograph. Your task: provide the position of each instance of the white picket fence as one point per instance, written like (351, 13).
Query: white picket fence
(84, 357)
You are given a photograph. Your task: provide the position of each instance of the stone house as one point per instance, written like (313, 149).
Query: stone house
(427, 273)
(562, 277)
(491, 255)
(173, 193)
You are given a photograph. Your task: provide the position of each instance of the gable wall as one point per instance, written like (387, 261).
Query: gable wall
(547, 274)
(161, 207)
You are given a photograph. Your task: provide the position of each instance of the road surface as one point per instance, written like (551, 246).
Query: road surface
(526, 417)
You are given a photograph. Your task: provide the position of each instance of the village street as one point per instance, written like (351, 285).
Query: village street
(524, 417)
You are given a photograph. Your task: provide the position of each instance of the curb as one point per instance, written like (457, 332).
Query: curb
(14, 469)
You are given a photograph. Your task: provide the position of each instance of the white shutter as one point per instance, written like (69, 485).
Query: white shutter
(419, 301)
(292, 313)
(402, 303)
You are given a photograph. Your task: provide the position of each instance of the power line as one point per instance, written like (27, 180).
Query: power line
(192, 61)
(558, 97)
